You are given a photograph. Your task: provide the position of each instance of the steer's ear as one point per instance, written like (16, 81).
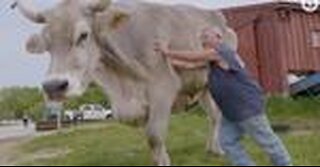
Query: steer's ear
(118, 18)
(36, 44)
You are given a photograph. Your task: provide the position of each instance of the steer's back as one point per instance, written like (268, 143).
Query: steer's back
(177, 26)
(180, 26)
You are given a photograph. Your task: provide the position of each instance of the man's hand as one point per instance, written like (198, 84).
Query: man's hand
(160, 48)
(218, 60)
(223, 65)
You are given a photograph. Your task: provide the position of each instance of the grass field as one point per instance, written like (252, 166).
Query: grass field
(111, 143)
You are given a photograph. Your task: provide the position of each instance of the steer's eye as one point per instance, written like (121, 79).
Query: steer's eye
(83, 37)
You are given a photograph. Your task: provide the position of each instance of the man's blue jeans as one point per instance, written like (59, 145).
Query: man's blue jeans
(259, 129)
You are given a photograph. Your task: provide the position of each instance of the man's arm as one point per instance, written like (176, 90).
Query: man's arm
(191, 60)
(187, 65)
(206, 55)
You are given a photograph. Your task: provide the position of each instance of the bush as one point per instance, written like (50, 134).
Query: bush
(16, 102)
(94, 94)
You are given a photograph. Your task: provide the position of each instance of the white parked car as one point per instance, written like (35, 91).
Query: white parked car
(88, 112)
(94, 112)
(70, 114)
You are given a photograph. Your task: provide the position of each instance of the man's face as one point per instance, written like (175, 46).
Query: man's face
(210, 38)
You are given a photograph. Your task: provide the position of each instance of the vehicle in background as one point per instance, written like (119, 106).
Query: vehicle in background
(89, 112)
(305, 85)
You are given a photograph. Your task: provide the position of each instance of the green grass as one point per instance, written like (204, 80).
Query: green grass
(294, 109)
(116, 144)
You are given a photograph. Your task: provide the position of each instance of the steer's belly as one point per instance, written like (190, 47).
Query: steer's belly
(194, 83)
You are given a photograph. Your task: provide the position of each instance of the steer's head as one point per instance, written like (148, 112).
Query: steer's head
(68, 37)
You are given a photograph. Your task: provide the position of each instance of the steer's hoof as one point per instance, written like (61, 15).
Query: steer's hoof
(215, 152)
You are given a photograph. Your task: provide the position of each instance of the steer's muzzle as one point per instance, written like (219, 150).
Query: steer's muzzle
(55, 87)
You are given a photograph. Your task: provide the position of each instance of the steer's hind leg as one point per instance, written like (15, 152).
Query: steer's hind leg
(214, 116)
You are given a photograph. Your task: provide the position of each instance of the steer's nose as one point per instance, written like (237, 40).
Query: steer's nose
(55, 86)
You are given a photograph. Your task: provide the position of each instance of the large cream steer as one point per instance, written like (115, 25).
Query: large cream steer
(112, 45)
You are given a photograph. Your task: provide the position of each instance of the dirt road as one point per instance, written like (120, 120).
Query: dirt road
(11, 136)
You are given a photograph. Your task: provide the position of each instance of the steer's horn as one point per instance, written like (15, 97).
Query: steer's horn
(98, 5)
(29, 11)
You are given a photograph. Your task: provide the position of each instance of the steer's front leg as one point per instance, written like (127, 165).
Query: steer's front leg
(161, 101)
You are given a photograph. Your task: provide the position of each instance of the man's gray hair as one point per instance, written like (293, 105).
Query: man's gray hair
(215, 29)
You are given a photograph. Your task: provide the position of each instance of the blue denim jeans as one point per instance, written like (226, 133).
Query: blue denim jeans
(259, 129)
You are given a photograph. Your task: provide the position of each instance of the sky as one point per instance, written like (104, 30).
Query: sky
(18, 68)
